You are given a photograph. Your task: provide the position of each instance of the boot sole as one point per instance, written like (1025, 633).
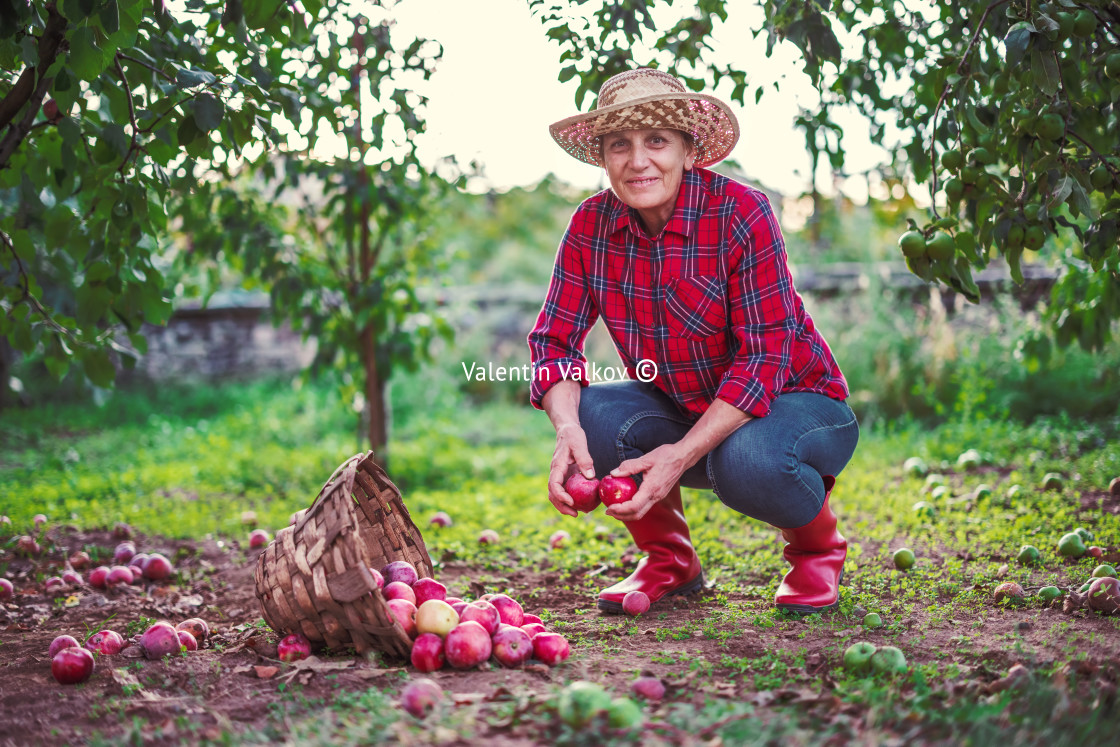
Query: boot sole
(806, 609)
(695, 585)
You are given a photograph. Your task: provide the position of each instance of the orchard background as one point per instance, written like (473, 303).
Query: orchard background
(147, 165)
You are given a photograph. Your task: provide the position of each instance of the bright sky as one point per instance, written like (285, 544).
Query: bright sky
(495, 92)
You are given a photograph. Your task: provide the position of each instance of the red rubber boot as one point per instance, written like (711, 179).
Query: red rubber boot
(670, 566)
(817, 552)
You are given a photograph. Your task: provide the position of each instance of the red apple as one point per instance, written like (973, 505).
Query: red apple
(72, 577)
(584, 492)
(441, 519)
(248, 518)
(1094, 552)
(258, 538)
(400, 570)
(122, 531)
(428, 588)
(399, 590)
(80, 560)
(558, 539)
(615, 490)
(531, 618)
(124, 552)
(157, 567)
(39, 520)
(27, 546)
(533, 628)
(436, 616)
(488, 537)
(404, 612)
(72, 665)
(635, 603)
(5, 523)
(483, 613)
(98, 577)
(551, 648)
(378, 579)
(509, 611)
(1104, 595)
(650, 688)
(427, 652)
(119, 574)
(420, 696)
(106, 642)
(197, 627)
(459, 607)
(54, 585)
(61, 642)
(293, 647)
(453, 600)
(160, 640)
(190, 643)
(6, 589)
(512, 646)
(137, 560)
(467, 645)
(137, 574)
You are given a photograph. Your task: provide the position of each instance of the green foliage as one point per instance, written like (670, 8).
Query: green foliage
(1017, 99)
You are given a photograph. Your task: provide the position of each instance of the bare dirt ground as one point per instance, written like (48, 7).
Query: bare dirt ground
(234, 687)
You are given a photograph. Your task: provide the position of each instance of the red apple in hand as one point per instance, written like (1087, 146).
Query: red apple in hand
(467, 645)
(615, 490)
(427, 652)
(72, 665)
(584, 492)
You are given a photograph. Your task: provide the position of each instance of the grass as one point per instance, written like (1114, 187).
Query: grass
(184, 462)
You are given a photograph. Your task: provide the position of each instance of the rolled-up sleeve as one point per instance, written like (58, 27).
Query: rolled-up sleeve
(762, 309)
(568, 313)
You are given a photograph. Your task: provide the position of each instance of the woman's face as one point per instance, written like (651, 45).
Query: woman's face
(645, 168)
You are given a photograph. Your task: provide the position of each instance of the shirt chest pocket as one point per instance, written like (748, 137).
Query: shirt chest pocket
(696, 306)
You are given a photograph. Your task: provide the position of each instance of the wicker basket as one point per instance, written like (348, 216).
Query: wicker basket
(314, 577)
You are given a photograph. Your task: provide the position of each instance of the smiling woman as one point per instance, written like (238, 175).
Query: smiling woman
(688, 270)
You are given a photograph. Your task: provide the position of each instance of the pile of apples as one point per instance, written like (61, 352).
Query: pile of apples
(73, 663)
(129, 567)
(449, 630)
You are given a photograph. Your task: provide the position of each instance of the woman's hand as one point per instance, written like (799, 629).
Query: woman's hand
(661, 471)
(570, 455)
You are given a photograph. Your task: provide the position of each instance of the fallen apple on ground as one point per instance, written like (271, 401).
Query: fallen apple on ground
(872, 620)
(888, 660)
(420, 696)
(1103, 571)
(509, 609)
(1008, 591)
(1052, 481)
(157, 567)
(61, 642)
(427, 652)
(915, 466)
(857, 657)
(1104, 595)
(533, 628)
(160, 640)
(1029, 555)
(98, 577)
(7, 589)
(55, 584)
(190, 643)
(550, 648)
(119, 574)
(580, 702)
(259, 538)
(435, 616)
(558, 539)
(635, 603)
(650, 688)
(124, 552)
(293, 647)
(1071, 545)
(1049, 593)
(72, 577)
(483, 613)
(71, 666)
(467, 645)
(428, 588)
(441, 519)
(197, 627)
(80, 560)
(512, 646)
(584, 492)
(105, 642)
(488, 537)
(903, 558)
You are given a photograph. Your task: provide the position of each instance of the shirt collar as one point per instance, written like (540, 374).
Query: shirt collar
(692, 200)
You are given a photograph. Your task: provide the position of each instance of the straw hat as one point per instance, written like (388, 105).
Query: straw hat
(645, 99)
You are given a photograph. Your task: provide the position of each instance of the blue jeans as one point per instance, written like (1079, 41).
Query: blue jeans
(770, 469)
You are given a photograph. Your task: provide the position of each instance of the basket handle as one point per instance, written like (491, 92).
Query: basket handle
(350, 464)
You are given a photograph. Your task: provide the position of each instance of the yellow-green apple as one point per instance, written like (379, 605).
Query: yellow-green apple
(857, 657)
(436, 616)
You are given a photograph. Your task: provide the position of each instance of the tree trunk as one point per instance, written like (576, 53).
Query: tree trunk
(378, 426)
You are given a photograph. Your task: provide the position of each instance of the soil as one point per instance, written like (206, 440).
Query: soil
(233, 685)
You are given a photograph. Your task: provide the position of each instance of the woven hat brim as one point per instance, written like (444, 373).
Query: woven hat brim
(710, 122)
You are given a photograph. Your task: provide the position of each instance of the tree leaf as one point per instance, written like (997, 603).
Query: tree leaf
(208, 112)
(1045, 69)
(86, 58)
(185, 78)
(1016, 41)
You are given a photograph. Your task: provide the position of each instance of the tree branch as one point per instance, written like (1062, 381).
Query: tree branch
(26, 90)
(154, 69)
(131, 116)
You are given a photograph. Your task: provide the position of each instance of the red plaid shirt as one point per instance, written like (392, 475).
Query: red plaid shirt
(710, 301)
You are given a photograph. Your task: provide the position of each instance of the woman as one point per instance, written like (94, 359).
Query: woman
(731, 387)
